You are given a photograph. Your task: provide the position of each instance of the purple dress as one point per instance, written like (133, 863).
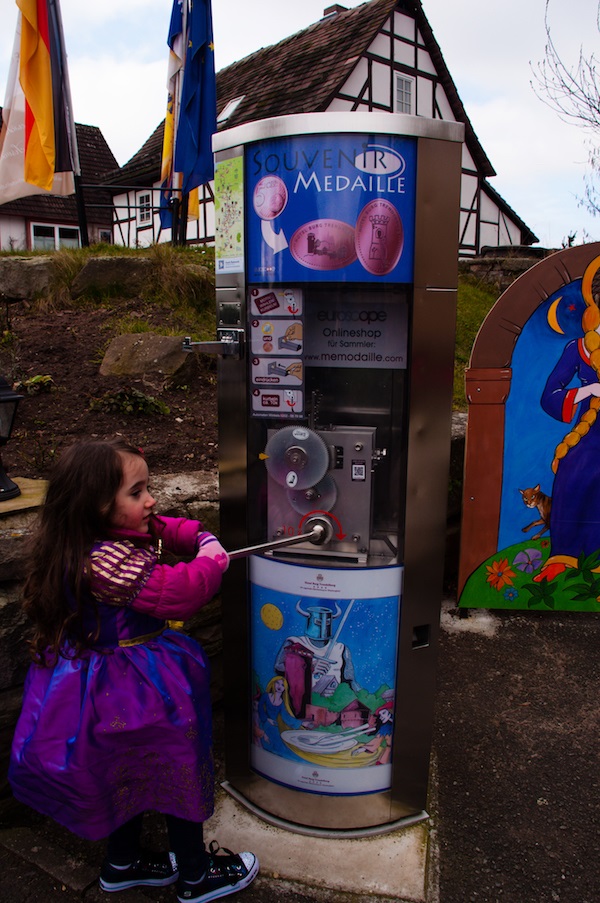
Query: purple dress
(125, 727)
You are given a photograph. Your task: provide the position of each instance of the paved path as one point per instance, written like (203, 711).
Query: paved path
(515, 791)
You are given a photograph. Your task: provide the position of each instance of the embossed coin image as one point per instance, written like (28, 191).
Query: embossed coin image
(379, 237)
(270, 197)
(324, 244)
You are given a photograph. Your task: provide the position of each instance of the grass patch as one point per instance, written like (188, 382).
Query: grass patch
(474, 302)
(184, 281)
(132, 325)
(182, 284)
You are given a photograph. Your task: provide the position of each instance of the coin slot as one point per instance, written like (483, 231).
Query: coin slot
(421, 636)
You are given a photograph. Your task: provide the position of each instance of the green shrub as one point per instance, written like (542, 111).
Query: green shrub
(128, 401)
(35, 385)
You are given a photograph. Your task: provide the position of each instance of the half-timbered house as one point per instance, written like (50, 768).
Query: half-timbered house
(379, 56)
(47, 222)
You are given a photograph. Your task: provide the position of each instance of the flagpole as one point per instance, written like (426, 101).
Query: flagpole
(81, 213)
(71, 129)
(183, 218)
(179, 225)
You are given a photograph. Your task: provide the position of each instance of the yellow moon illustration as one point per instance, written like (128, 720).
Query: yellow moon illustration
(553, 318)
(271, 616)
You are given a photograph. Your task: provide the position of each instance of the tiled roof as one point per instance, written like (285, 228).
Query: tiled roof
(302, 74)
(96, 159)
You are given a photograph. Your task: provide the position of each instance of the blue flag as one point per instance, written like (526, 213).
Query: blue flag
(198, 110)
(176, 23)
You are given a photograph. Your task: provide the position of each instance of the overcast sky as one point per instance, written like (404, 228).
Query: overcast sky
(118, 62)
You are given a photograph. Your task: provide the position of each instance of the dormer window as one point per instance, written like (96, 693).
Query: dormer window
(229, 109)
(404, 94)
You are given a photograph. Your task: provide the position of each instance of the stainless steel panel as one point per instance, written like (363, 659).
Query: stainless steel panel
(314, 810)
(233, 419)
(429, 429)
(343, 490)
(338, 123)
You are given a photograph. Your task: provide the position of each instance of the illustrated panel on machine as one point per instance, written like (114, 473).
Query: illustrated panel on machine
(328, 214)
(277, 345)
(324, 676)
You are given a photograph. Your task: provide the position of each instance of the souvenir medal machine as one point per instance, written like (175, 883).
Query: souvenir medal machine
(336, 262)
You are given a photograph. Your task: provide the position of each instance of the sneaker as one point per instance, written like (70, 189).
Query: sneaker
(226, 875)
(150, 870)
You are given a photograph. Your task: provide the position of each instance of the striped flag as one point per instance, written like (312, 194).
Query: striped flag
(38, 147)
(191, 118)
(198, 109)
(175, 72)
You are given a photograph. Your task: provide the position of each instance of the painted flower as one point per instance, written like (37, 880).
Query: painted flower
(510, 594)
(529, 560)
(544, 543)
(500, 574)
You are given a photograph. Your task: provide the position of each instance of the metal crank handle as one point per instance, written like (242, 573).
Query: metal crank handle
(317, 535)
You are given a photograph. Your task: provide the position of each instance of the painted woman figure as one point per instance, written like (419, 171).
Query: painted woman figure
(275, 714)
(575, 513)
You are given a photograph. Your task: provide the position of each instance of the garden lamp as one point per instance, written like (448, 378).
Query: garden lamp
(9, 401)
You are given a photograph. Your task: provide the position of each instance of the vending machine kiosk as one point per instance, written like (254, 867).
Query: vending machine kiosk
(336, 262)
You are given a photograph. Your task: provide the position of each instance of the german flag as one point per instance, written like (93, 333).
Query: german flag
(42, 77)
(38, 145)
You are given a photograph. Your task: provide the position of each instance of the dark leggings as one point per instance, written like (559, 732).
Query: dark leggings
(186, 839)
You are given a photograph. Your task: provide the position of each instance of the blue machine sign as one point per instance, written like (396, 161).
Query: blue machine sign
(340, 206)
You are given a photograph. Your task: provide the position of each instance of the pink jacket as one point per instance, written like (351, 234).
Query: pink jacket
(125, 570)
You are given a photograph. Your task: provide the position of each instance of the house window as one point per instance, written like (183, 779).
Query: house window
(144, 209)
(43, 238)
(404, 91)
(68, 238)
(51, 238)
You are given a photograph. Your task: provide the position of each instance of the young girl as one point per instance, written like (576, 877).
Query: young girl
(116, 715)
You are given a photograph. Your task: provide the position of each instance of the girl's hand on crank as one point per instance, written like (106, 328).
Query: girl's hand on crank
(210, 547)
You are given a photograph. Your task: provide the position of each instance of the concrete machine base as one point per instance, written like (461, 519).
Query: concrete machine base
(391, 864)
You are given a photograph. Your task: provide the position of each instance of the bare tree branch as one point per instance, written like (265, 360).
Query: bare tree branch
(573, 91)
(591, 196)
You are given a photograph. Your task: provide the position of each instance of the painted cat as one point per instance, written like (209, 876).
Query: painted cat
(534, 498)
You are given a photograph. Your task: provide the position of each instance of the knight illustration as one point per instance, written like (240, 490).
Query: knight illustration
(316, 661)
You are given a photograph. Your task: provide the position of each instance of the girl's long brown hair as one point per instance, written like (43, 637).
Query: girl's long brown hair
(76, 513)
